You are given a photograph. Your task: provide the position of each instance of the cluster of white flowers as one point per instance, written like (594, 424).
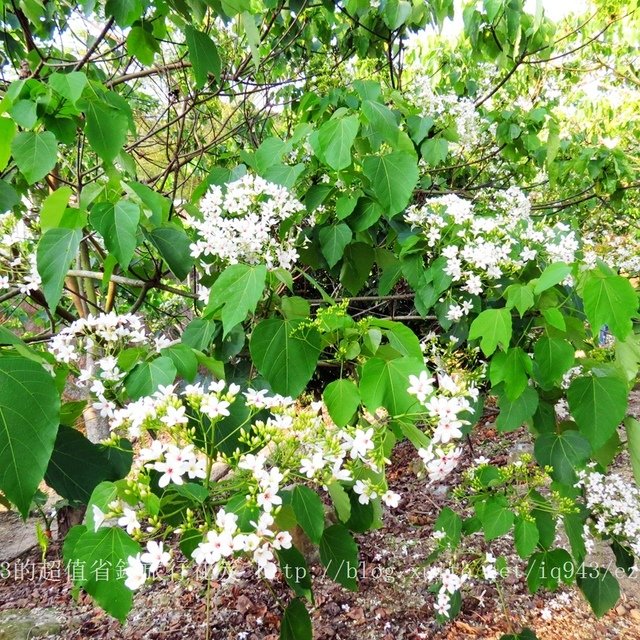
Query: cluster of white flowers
(226, 539)
(620, 252)
(443, 406)
(303, 437)
(481, 243)
(166, 407)
(17, 255)
(323, 452)
(448, 111)
(450, 582)
(489, 571)
(614, 503)
(141, 565)
(92, 344)
(243, 222)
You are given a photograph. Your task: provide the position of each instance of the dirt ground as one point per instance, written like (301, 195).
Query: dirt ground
(392, 603)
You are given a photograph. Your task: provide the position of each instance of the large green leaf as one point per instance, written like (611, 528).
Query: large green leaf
(513, 368)
(335, 139)
(7, 133)
(117, 224)
(309, 511)
(384, 383)
(125, 12)
(106, 127)
(142, 44)
(356, 266)
(600, 588)
(513, 413)
(158, 205)
(553, 358)
(68, 85)
(203, 54)
(148, 376)
(519, 296)
(77, 466)
(548, 568)
(237, 290)
(493, 327)
(392, 178)
(285, 354)
(632, 427)
(9, 197)
(551, 276)
(35, 154)
(396, 13)
(339, 555)
(29, 416)
(342, 399)
(199, 333)
(296, 571)
(382, 120)
(526, 536)
(102, 554)
(296, 623)
(610, 300)
(449, 523)
(435, 150)
(184, 359)
(105, 493)
(565, 452)
(54, 207)
(598, 405)
(333, 240)
(56, 251)
(496, 517)
(173, 245)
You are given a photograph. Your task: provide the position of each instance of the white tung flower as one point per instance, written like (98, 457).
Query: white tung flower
(135, 572)
(129, 520)
(155, 556)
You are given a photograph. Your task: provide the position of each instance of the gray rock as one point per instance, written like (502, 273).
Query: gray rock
(22, 624)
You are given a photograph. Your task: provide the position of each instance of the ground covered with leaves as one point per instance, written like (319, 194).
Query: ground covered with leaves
(393, 600)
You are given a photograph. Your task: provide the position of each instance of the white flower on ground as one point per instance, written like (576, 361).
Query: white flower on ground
(391, 498)
(450, 581)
